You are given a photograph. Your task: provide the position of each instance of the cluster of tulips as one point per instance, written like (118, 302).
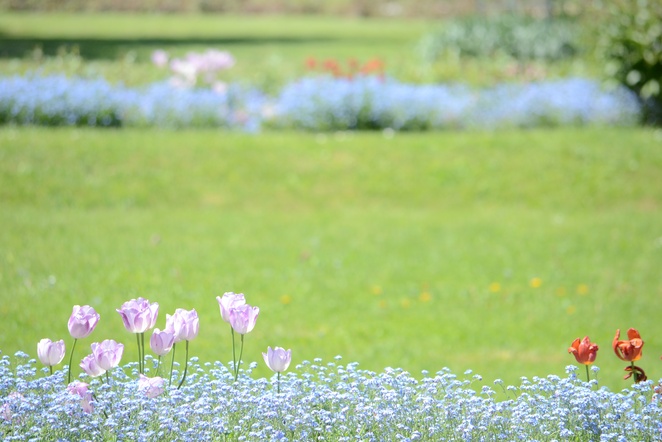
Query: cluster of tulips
(629, 350)
(349, 70)
(139, 315)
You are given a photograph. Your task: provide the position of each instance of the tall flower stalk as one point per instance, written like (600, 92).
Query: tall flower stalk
(184, 325)
(138, 316)
(81, 324)
(241, 318)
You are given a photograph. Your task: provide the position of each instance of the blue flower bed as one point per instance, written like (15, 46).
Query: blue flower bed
(321, 401)
(319, 104)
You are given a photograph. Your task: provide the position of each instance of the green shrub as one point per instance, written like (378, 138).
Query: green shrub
(631, 48)
(523, 38)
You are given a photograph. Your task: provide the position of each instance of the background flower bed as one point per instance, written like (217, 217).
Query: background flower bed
(318, 103)
(324, 401)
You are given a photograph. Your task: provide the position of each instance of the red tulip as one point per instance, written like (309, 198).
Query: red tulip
(584, 350)
(629, 350)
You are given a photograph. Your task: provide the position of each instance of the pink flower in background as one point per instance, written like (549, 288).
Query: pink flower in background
(183, 324)
(228, 302)
(50, 353)
(161, 341)
(152, 387)
(82, 321)
(243, 318)
(81, 389)
(160, 58)
(277, 359)
(108, 353)
(90, 366)
(139, 315)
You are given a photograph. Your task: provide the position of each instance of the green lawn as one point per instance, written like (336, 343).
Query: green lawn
(417, 250)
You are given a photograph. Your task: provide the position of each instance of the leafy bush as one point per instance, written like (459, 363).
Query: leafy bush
(632, 49)
(523, 38)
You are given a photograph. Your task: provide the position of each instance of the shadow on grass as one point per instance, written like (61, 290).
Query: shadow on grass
(96, 48)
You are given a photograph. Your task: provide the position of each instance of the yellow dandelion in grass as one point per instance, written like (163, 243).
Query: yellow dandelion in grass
(285, 299)
(571, 309)
(425, 297)
(405, 303)
(382, 304)
(582, 289)
(495, 287)
(561, 291)
(535, 282)
(376, 290)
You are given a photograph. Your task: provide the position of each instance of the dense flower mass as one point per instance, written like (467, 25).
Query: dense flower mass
(317, 103)
(319, 401)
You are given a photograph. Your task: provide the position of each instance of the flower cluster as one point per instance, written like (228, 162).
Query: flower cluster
(351, 69)
(317, 103)
(629, 350)
(196, 67)
(322, 401)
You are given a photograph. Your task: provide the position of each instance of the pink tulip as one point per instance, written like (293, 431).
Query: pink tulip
(160, 58)
(108, 353)
(81, 389)
(277, 359)
(90, 366)
(50, 353)
(82, 321)
(139, 315)
(152, 387)
(243, 318)
(183, 324)
(161, 341)
(228, 302)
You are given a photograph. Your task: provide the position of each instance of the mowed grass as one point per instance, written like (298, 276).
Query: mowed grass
(488, 251)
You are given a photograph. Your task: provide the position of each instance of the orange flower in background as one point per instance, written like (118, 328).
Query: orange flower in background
(584, 350)
(629, 350)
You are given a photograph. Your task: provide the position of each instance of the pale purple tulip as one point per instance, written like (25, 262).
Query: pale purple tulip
(183, 324)
(160, 58)
(81, 389)
(90, 366)
(243, 318)
(277, 359)
(228, 302)
(139, 315)
(151, 387)
(161, 341)
(108, 353)
(82, 321)
(50, 353)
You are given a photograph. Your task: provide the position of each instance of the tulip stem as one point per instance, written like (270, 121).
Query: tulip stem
(185, 368)
(158, 366)
(140, 364)
(241, 352)
(142, 348)
(278, 382)
(71, 356)
(172, 364)
(588, 378)
(234, 355)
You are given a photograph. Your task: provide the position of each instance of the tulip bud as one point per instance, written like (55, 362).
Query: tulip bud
(243, 318)
(50, 353)
(90, 366)
(82, 321)
(108, 353)
(161, 341)
(139, 315)
(152, 387)
(228, 302)
(277, 359)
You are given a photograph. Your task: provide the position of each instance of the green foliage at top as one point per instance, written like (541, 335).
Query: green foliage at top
(632, 49)
(522, 38)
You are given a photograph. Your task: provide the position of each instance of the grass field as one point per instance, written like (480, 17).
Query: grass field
(487, 251)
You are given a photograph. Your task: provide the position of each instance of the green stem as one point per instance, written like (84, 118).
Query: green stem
(588, 378)
(142, 346)
(172, 364)
(140, 366)
(71, 356)
(51, 368)
(185, 368)
(278, 382)
(241, 352)
(158, 366)
(234, 356)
